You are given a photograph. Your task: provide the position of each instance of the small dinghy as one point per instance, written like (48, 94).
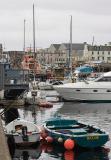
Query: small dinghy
(72, 133)
(42, 102)
(23, 132)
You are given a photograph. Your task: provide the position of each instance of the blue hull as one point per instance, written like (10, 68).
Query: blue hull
(83, 135)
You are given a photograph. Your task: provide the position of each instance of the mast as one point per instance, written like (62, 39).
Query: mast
(70, 48)
(34, 31)
(24, 37)
(34, 41)
(24, 50)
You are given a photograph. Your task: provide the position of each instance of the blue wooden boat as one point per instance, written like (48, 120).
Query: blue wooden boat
(82, 134)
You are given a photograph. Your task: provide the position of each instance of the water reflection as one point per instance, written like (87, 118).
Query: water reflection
(39, 114)
(47, 151)
(26, 154)
(94, 114)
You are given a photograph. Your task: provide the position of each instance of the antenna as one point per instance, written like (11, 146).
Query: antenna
(93, 41)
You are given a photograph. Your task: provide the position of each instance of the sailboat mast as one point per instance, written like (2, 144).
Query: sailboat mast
(70, 53)
(24, 36)
(34, 31)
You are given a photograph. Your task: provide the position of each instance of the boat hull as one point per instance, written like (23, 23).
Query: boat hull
(83, 135)
(22, 132)
(20, 140)
(92, 141)
(85, 95)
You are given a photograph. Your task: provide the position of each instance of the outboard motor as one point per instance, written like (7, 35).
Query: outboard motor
(24, 133)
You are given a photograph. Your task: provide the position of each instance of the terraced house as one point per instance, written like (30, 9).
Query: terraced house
(59, 54)
(98, 53)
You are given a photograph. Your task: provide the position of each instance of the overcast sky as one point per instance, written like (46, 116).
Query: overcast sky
(52, 19)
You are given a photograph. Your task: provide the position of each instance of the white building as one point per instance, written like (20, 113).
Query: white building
(98, 53)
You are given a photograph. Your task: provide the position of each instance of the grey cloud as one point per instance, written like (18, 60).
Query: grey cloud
(87, 6)
(90, 17)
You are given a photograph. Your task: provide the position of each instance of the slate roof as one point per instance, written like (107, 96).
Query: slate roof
(56, 46)
(75, 46)
(99, 48)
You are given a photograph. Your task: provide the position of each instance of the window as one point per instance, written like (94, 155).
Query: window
(95, 90)
(108, 53)
(92, 52)
(108, 58)
(104, 79)
(98, 52)
(77, 89)
(108, 90)
(103, 52)
(93, 58)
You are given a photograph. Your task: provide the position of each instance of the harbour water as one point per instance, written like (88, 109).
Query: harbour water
(96, 114)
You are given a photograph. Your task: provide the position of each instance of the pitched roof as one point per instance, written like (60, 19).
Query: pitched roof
(56, 46)
(99, 48)
(75, 46)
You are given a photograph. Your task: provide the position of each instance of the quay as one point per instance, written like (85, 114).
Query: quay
(9, 103)
(4, 151)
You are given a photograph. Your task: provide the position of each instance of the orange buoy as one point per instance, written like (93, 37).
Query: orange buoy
(49, 139)
(69, 144)
(69, 155)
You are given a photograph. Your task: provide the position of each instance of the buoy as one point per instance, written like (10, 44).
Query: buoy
(49, 139)
(60, 140)
(69, 144)
(69, 155)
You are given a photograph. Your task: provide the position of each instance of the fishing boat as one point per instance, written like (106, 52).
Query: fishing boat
(24, 133)
(73, 133)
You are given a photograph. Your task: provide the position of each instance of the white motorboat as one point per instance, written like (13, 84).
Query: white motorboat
(24, 133)
(98, 90)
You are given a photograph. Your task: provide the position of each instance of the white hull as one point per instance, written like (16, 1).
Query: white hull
(33, 138)
(98, 90)
(85, 95)
(23, 132)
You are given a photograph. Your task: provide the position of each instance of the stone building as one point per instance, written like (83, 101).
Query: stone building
(98, 53)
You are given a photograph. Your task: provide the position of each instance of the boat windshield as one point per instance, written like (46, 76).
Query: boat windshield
(103, 78)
